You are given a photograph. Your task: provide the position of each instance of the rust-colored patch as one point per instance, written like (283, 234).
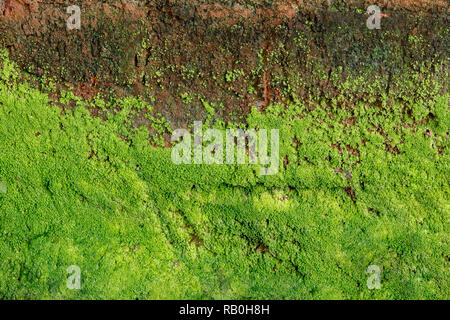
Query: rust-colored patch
(15, 10)
(286, 162)
(351, 193)
(352, 151)
(195, 240)
(178, 34)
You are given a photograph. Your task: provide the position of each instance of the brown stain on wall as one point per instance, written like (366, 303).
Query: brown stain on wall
(210, 39)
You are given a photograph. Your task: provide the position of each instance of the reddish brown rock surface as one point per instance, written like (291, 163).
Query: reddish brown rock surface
(233, 56)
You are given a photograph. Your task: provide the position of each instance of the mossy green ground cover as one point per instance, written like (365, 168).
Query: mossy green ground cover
(358, 185)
